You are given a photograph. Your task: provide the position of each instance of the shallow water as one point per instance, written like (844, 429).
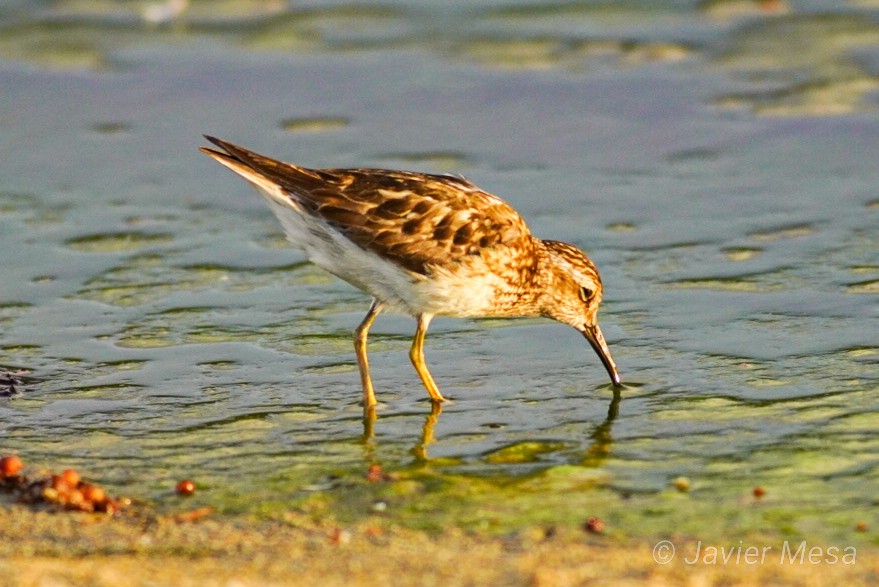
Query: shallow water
(717, 161)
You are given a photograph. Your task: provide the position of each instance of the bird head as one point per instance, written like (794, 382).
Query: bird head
(572, 294)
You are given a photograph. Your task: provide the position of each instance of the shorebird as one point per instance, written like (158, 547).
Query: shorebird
(426, 245)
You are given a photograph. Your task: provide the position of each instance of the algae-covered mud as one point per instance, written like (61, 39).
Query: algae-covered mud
(716, 159)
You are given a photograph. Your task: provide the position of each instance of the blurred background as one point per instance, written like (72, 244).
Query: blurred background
(717, 159)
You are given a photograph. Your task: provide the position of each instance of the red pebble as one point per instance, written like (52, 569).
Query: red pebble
(70, 476)
(375, 474)
(93, 493)
(185, 488)
(340, 536)
(58, 482)
(759, 492)
(771, 5)
(595, 525)
(10, 465)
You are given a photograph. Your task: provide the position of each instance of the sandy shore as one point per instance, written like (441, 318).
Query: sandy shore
(46, 549)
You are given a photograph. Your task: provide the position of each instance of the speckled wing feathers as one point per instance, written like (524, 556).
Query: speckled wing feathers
(418, 221)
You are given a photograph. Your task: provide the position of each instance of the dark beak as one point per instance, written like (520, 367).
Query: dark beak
(596, 339)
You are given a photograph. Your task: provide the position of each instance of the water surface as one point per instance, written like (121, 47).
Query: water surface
(716, 160)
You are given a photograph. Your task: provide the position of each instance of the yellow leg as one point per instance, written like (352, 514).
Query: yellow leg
(368, 426)
(360, 335)
(420, 449)
(416, 354)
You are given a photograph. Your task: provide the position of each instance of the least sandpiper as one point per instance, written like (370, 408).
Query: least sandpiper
(426, 245)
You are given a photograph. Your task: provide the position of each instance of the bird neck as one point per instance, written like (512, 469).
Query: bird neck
(540, 280)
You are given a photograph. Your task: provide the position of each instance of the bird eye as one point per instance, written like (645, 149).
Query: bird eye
(585, 294)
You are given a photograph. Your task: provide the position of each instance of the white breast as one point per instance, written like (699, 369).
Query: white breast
(443, 293)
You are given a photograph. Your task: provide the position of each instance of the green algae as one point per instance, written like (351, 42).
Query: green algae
(314, 124)
(120, 242)
(522, 452)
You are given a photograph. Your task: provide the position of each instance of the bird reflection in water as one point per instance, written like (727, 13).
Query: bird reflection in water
(602, 440)
(598, 451)
(419, 450)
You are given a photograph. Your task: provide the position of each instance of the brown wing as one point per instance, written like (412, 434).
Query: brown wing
(417, 220)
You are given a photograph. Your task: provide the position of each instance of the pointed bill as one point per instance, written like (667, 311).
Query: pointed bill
(596, 339)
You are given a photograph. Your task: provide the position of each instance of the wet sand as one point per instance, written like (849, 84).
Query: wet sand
(43, 549)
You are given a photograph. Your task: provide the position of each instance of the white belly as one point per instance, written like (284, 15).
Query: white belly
(442, 293)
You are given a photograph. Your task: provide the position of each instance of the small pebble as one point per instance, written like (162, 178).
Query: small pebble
(58, 483)
(74, 499)
(70, 477)
(93, 493)
(594, 525)
(374, 531)
(375, 474)
(682, 484)
(10, 465)
(340, 536)
(185, 488)
(759, 492)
